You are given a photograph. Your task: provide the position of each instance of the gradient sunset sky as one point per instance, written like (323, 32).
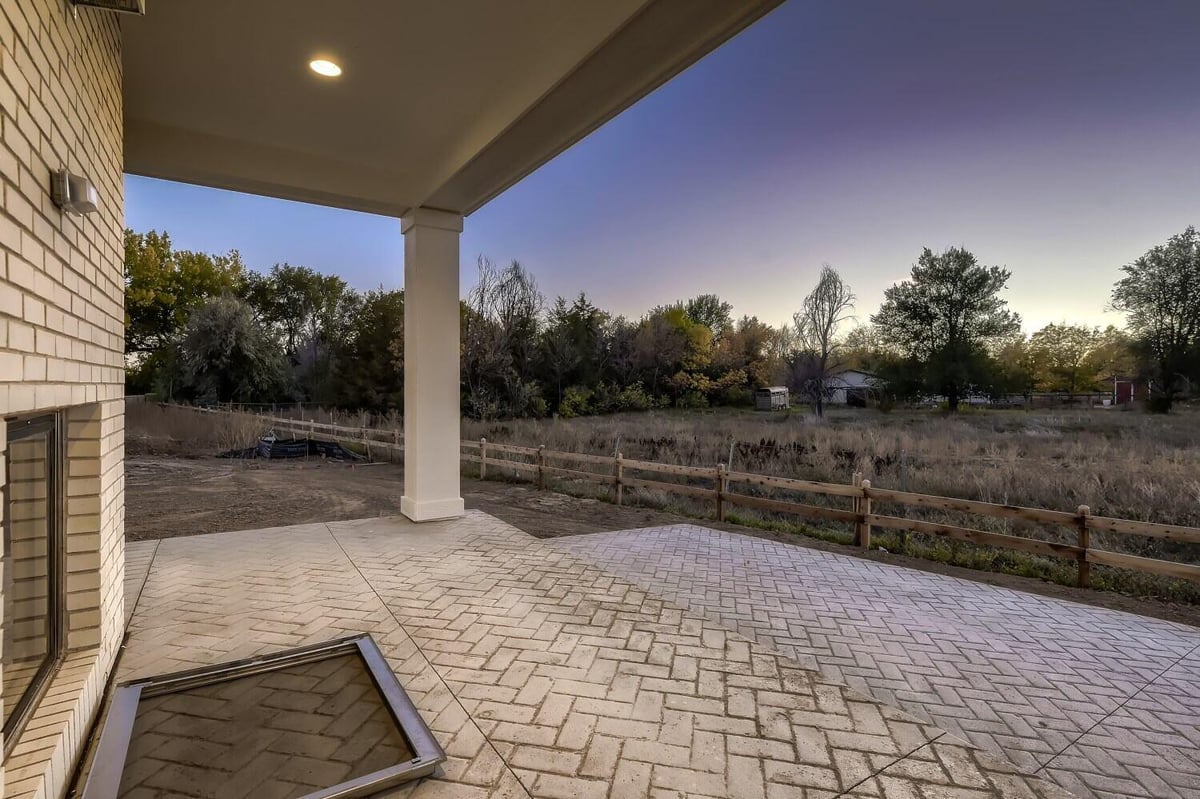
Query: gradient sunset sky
(1059, 138)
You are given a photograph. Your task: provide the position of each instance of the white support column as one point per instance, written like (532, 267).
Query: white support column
(431, 370)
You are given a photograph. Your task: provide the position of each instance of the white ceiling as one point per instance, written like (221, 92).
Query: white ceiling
(441, 103)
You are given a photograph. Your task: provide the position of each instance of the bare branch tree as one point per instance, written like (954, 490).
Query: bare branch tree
(500, 330)
(816, 324)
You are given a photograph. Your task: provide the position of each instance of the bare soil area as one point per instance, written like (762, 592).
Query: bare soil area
(172, 496)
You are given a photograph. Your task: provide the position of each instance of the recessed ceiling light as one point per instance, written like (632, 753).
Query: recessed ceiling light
(326, 68)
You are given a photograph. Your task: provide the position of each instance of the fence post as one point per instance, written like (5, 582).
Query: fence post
(722, 482)
(618, 468)
(396, 438)
(864, 510)
(541, 464)
(856, 481)
(1085, 541)
(483, 459)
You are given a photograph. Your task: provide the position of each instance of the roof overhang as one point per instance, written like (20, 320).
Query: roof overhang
(442, 105)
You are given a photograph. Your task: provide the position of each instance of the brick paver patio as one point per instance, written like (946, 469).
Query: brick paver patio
(547, 672)
(1104, 703)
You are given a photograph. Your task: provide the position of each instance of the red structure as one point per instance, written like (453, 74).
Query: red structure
(1127, 389)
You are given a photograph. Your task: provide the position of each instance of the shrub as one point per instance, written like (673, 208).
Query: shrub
(734, 397)
(537, 407)
(634, 398)
(576, 401)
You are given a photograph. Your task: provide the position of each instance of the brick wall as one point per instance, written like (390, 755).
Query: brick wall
(61, 337)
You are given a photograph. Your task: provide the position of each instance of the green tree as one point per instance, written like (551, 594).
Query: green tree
(1160, 294)
(747, 350)
(259, 292)
(621, 350)
(290, 297)
(901, 379)
(1059, 355)
(863, 349)
(309, 313)
(573, 345)
(712, 312)
(944, 318)
(669, 346)
(163, 286)
(227, 357)
(1013, 366)
(370, 354)
(1113, 355)
(335, 303)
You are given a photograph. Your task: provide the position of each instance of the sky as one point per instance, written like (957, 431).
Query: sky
(1057, 138)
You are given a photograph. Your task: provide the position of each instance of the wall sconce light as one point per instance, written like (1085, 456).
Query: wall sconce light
(74, 194)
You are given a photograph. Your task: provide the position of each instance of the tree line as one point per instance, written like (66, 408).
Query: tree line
(205, 328)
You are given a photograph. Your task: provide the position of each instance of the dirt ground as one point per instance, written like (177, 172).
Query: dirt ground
(171, 496)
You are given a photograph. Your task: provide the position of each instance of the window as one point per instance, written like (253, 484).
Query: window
(32, 566)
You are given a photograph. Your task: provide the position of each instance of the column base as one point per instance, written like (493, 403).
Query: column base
(432, 510)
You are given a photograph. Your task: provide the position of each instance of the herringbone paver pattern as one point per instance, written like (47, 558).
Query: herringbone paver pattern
(1102, 702)
(545, 675)
(1149, 748)
(214, 598)
(589, 686)
(948, 768)
(286, 733)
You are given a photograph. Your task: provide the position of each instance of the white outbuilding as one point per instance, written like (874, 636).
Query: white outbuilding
(852, 387)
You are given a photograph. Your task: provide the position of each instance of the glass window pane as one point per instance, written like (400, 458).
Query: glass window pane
(27, 573)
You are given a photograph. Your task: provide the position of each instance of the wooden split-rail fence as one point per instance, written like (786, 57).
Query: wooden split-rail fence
(721, 485)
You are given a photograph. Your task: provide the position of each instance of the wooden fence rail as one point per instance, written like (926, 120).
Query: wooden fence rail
(862, 511)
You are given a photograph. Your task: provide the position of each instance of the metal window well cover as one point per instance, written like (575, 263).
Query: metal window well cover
(302, 724)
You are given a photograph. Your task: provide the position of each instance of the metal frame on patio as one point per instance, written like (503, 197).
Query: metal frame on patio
(104, 781)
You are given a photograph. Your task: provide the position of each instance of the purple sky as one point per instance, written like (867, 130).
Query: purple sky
(1060, 138)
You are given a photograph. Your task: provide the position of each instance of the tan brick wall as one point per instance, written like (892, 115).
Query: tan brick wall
(61, 336)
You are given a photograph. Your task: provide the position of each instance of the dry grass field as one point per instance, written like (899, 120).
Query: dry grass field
(1121, 463)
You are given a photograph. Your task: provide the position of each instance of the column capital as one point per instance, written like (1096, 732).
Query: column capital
(431, 217)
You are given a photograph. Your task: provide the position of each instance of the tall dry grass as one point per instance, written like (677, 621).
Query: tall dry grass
(1123, 464)
(1120, 463)
(152, 429)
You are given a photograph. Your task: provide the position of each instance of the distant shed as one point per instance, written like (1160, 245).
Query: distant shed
(1126, 390)
(852, 387)
(771, 398)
